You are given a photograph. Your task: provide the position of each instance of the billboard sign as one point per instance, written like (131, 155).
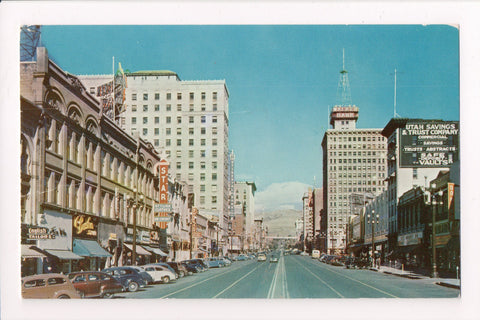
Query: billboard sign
(164, 208)
(429, 144)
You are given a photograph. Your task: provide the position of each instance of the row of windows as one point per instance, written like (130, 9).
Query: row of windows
(368, 160)
(191, 119)
(354, 139)
(168, 96)
(168, 108)
(355, 153)
(356, 146)
(350, 190)
(350, 168)
(350, 175)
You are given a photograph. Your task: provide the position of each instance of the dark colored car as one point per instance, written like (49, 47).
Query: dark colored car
(179, 268)
(202, 262)
(95, 284)
(191, 267)
(49, 286)
(145, 275)
(199, 267)
(128, 277)
(242, 257)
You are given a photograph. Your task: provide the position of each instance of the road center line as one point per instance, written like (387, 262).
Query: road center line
(367, 285)
(230, 286)
(273, 285)
(329, 286)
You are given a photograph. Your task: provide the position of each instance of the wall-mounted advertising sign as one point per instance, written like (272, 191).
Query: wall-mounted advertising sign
(161, 215)
(85, 226)
(429, 144)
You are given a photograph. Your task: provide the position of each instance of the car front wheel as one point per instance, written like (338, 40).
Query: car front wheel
(132, 286)
(107, 295)
(63, 296)
(166, 279)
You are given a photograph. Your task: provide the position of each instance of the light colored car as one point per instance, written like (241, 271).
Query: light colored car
(315, 254)
(49, 286)
(160, 273)
(261, 257)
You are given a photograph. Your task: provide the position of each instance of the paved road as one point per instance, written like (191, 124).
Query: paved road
(293, 277)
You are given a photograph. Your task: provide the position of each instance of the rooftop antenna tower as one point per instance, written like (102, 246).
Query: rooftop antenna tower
(344, 96)
(29, 41)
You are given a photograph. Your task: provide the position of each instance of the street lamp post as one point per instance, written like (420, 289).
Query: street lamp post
(134, 241)
(434, 233)
(372, 220)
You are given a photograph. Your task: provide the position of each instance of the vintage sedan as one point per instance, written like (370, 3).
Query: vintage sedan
(49, 286)
(95, 284)
(160, 273)
(179, 268)
(128, 277)
(215, 262)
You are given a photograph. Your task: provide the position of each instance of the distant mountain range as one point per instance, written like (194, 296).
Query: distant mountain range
(280, 222)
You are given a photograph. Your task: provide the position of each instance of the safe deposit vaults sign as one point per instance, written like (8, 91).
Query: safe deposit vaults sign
(163, 209)
(429, 144)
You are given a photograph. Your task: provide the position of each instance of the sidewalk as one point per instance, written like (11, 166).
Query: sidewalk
(446, 282)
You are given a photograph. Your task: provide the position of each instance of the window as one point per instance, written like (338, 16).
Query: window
(168, 142)
(168, 131)
(214, 96)
(202, 142)
(214, 119)
(214, 165)
(179, 154)
(179, 119)
(35, 283)
(215, 108)
(157, 96)
(145, 108)
(190, 165)
(157, 120)
(214, 199)
(192, 95)
(145, 131)
(134, 97)
(156, 142)
(190, 142)
(191, 131)
(202, 199)
(157, 107)
(202, 187)
(202, 165)
(203, 130)
(92, 90)
(214, 142)
(203, 96)
(145, 96)
(214, 153)
(179, 142)
(203, 107)
(214, 176)
(145, 120)
(179, 96)
(190, 153)
(214, 130)
(190, 119)
(179, 165)
(179, 107)
(190, 177)
(202, 153)
(134, 108)
(134, 120)
(179, 131)
(169, 107)
(204, 119)
(191, 108)
(168, 120)
(202, 176)
(169, 96)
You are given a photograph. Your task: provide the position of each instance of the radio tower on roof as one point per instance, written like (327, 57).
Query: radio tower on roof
(29, 41)
(344, 97)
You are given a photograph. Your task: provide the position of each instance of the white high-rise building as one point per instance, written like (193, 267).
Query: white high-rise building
(187, 122)
(245, 194)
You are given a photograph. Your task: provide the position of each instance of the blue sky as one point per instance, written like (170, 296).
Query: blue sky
(283, 79)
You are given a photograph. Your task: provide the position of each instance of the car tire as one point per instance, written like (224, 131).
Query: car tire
(107, 295)
(133, 286)
(166, 279)
(63, 296)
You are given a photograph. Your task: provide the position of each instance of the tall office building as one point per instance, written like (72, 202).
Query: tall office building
(354, 162)
(187, 122)
(245, 195)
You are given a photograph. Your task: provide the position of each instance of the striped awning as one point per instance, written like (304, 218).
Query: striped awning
(89, 248)
(29, 252)
(63, 254)
(138, 249)
(156, 251)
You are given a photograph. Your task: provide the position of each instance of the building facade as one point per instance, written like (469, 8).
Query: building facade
(245, 195)
(354, 162)
(85, 182)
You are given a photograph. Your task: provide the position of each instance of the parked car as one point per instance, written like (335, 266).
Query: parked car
(160, 273)
(315, 254)
(49, 286)
(166, 265)
(147, 277)
(191, 267)
(94, 284)
(215, 262)
(179, 268)
(202, 262)
(129, 277)
(262, 257)
(242, 257)
(227, 261)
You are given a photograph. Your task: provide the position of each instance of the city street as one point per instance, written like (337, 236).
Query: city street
(293, 277)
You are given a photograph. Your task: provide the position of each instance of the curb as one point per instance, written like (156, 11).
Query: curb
(448, 285)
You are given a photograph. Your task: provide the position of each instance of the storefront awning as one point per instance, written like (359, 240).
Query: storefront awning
(138, 249)
(156, 251)
(89, 248)
(63, 254)
(203, 250)
(29, 252)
